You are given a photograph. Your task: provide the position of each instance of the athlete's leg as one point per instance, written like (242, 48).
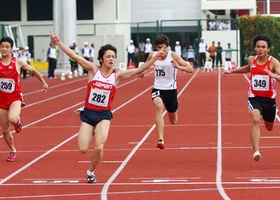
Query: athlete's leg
(173, 117)
(159, 121)
(269, 125)
(5, 124)
(255, 129)
(101, 135)
(85, 137)
(14, 112)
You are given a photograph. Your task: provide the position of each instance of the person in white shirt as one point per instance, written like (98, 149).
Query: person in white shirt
(148, 48)
(177, 48)
(202, 52)
(164, 92)
(130, 52)
(52, 56)
(228, 53)
(26, 56)
(86, 55)
(91, 52)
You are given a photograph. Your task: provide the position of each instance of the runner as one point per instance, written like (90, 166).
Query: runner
(101, 88)
(11, 98)
(164, 93)
(264, 70)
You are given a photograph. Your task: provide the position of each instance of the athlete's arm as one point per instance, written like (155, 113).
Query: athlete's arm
(243, 69)
(132, 72)
(87, 65)
(179, 63)
(275, 67)
(24, 65)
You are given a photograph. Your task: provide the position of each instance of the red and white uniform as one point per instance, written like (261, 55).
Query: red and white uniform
(261, 84)
(10, 88)
(101, 91)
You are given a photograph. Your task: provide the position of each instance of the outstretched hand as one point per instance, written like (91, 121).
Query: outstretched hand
(55, 38)
(226, 72)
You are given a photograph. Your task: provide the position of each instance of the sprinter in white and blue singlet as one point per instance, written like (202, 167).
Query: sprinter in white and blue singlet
(265, 71)
(164, 92)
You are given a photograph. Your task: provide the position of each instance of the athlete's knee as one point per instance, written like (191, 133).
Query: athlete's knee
(269, 126)
(98, 149)
(256, 120)
(159, 107)
(173, 118)
(83, 149)
(13, 120)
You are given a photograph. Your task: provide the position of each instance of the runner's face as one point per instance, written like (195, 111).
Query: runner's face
(162, 47)
(261, 48)
(109, 58)
(5, 48)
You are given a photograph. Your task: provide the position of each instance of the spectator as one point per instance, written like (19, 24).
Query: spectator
(212, 50)
(52, 56)
(148, 48)
(130, 52)
(86, 55)
(202, 47)
(219, 55)
(177, 48)
(228, 53)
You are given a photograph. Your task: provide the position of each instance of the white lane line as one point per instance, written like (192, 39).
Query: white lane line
(36, 159)
(219, 145)
(106, 186)
(59, 145)
(55, 86)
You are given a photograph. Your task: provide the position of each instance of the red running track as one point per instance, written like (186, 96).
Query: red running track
(208, 154)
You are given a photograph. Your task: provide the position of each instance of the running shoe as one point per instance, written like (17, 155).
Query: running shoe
(160, 144)
(12, 156)
(256, 156)
(18, 126)
(91, 177)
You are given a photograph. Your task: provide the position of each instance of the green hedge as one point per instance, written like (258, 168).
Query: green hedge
(250, 26)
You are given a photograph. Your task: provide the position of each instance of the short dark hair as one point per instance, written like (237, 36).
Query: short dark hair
(105, 48)
(7, 39)
(264, 38)
(162, 39)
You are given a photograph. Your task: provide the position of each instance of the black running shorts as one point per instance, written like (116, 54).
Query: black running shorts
(266, 106)
(169, 98)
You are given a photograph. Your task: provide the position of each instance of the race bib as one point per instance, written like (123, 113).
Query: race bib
(160, 71)
(260, 82)
(7, 85)
(99, 97)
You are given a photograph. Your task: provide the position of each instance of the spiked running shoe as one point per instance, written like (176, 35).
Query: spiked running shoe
(91, 177)
(256, 156)
(18, 126)
(160, 144)
(12, 156)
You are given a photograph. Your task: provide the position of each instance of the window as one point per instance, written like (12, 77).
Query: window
(84, 9)
(10, 10)
(39, 10)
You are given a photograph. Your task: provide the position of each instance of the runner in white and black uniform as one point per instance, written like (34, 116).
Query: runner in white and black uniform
(265, 70)
(164, 92)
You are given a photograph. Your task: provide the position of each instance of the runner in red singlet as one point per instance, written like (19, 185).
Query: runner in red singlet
(101, 88)
(265, 70)
(11, 99)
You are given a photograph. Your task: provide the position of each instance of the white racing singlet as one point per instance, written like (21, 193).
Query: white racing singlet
(165, 73)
